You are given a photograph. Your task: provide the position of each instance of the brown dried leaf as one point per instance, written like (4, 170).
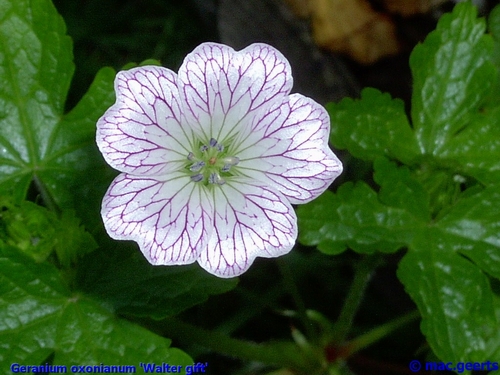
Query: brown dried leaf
(354, 28)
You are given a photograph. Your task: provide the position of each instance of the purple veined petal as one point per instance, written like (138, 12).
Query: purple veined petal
(250, 221)
(169, 218)
(289, 150)
(223, 90)
(142, 133)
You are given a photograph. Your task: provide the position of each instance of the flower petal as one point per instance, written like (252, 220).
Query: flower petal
(141, 132)
(289, 150)
(223, 89)
(167, 218)
(250, 221)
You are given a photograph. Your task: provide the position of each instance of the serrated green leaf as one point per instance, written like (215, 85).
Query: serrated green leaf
(28, 227)
(38, 232)
(376, 125)
(39, 144)
(493, 350)
(354, 218)
(452, 77)
(472, 227)
(39, 316)
(475, 151)
(35, 73)
(452, 235)
(73, 171)
(135, 287)
(72, 241)
(494, 22)
(494, 29)
(399, 189)
(453, 296)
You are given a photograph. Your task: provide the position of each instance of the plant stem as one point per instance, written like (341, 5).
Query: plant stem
(282, 354)
(380, 332)
(291, 287)
(47, 198)
(354, 297)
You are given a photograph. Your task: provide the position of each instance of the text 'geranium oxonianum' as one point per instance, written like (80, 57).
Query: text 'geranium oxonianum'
(213, 158)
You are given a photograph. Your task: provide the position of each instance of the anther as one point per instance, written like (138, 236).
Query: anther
(232, 160)
(213, 142)
(197, 166)
(214, 178)
(229, 162)
(197, 177)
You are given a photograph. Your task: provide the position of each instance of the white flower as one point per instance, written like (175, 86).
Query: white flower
(213, 158)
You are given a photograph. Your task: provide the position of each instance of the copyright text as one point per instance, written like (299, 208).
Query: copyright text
(460, 367)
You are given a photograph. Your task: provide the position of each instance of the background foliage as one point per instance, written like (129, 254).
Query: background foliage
(423, 202)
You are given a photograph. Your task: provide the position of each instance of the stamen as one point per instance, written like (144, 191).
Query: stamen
(197, 166)
(214, 178)
(220, 147)
(203, 148)
(213, 142)
(197, 177)
(232, 160)
(190, 156)
(229, 162)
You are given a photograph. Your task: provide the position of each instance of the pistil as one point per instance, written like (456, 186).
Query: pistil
(211, 164)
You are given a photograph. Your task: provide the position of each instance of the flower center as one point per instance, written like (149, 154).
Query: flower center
(211, 164)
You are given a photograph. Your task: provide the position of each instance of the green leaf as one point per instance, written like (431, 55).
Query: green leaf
(494, 22)
(35, 73)
(135, 287)
(373, 126)
(399, 189)
(74, 172)
(472, 227)
(39, 316)
(475, 150)
(28, 227)
(72, 241)
(38, 144)
(453, 296)
(39, 232)
(493, 349)
(354, 218)
(494, 29)
(452, 77)
(455, 108)
(452, 235)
